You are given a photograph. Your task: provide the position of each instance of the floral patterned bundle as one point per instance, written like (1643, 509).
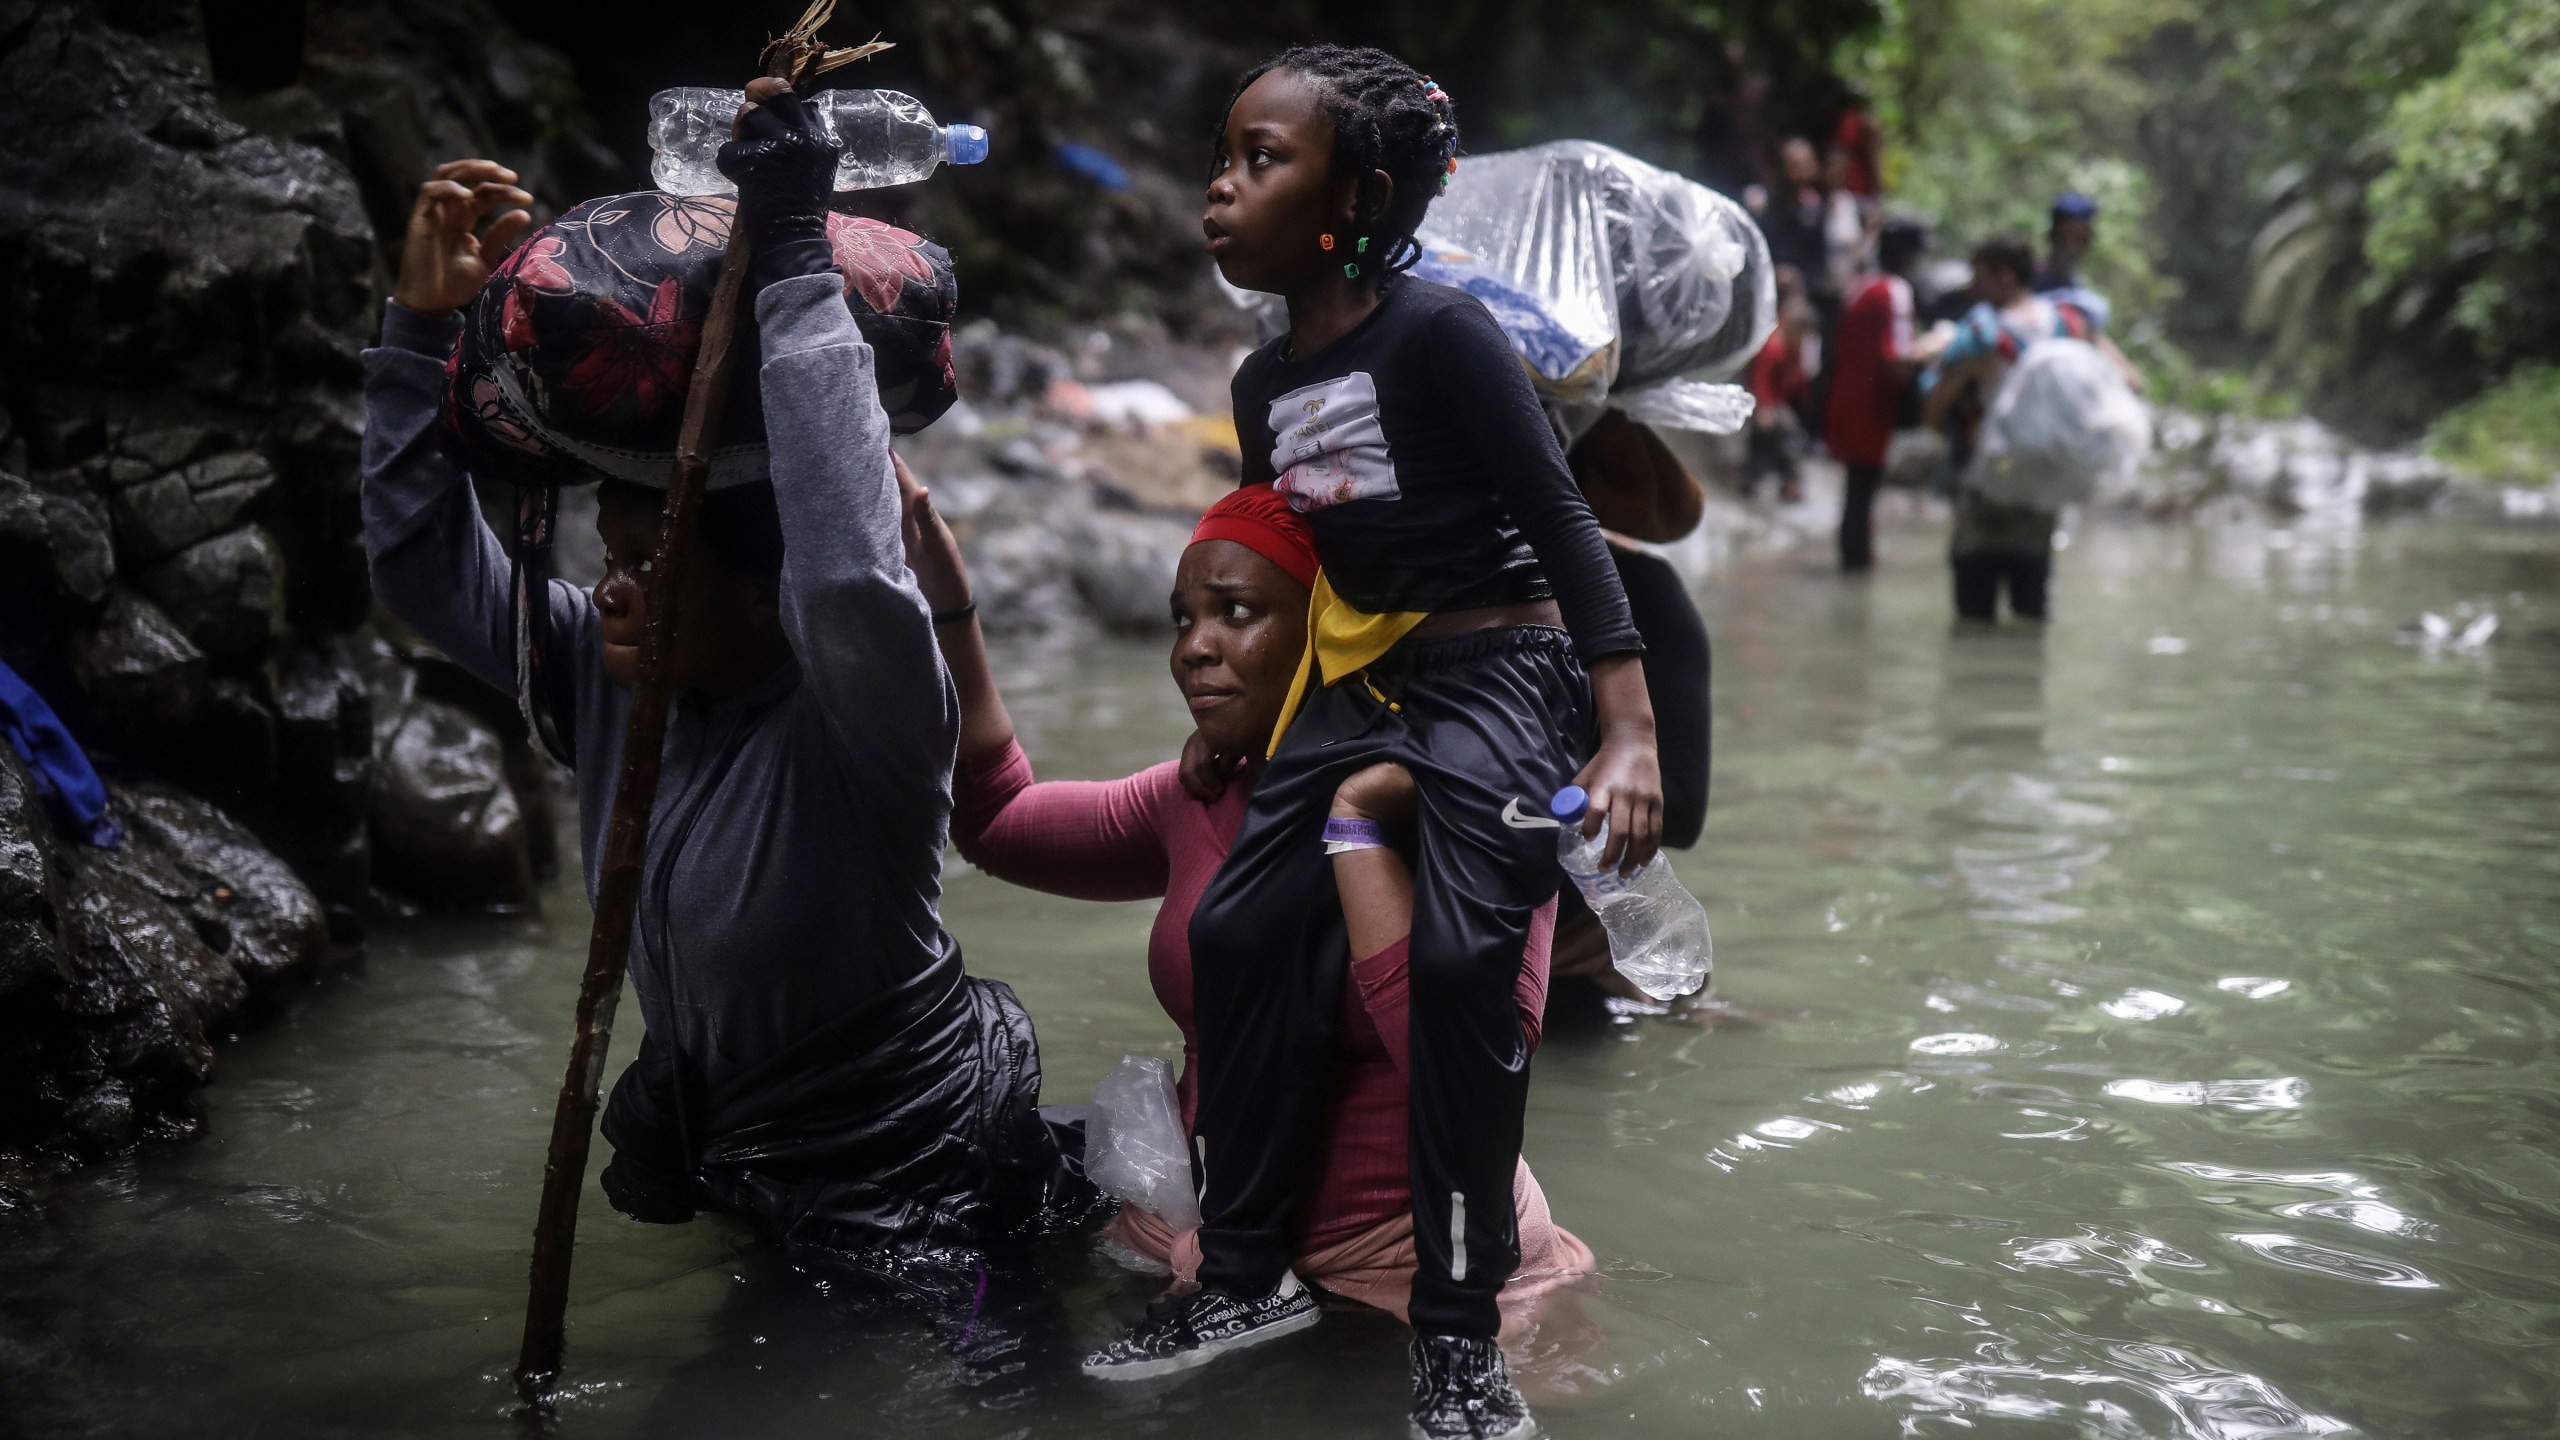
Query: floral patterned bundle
(575, 357)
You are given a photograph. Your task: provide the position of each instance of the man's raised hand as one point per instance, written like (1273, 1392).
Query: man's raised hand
(443, 263)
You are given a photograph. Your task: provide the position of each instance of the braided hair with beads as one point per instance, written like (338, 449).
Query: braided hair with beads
(1386, 116)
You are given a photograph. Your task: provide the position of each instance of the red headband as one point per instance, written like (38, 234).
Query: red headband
(1259, 519)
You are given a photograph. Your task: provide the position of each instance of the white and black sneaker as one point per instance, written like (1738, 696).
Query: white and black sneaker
(1463, 1391)
(1197, 1328)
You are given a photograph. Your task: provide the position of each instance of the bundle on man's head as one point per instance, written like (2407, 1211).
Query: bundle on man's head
(576, 356)
(1386, 116)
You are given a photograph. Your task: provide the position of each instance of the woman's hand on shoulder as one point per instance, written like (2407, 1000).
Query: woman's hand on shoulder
(442, 263)
(933, 552)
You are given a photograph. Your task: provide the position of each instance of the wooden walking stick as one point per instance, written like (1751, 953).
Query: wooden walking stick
(796, 57)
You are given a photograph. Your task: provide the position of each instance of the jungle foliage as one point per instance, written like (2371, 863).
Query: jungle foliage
(2356, 201)
(2352, 201)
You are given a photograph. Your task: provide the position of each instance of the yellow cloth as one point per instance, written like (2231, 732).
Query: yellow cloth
(1341, 642)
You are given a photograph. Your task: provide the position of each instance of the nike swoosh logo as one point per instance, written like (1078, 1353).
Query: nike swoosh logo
(1512, 817)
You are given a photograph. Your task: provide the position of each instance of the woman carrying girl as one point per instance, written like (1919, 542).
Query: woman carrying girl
(1468, 626)
(1239, 626)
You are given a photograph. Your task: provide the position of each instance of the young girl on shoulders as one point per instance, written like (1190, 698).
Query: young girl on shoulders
(1467, 625)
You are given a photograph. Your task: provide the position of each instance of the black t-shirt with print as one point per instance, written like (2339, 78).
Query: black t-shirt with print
(1421, 459)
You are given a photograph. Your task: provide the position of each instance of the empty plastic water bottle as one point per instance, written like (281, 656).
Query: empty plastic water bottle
(888, 138)
(1657, 930)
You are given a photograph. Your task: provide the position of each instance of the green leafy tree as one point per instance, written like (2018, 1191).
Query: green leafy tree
(2469, 209)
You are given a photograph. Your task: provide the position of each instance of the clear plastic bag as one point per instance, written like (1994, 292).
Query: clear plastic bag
(1663, 278)
(1619, 283)
(1134, 1148)
(2062, 421)
(1688, 405)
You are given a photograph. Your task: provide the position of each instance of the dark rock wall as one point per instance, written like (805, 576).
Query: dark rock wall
(120, 967)
(188, 272)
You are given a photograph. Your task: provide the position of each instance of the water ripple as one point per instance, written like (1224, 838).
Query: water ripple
(2285, 1093)
(2301, 1254)
(2156, 1390)
(1960, 1042)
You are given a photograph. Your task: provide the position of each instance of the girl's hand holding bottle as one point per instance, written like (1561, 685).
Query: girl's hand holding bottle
(1624, 779)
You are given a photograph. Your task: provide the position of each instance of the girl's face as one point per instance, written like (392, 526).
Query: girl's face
(1239, 628)
(1272, 191)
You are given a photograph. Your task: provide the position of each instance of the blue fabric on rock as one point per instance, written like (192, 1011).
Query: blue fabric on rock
(64, 777)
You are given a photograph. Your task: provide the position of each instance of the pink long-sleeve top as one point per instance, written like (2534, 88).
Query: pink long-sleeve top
(1143, 837)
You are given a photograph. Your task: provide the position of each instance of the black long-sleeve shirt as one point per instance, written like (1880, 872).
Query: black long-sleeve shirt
(1421, 459)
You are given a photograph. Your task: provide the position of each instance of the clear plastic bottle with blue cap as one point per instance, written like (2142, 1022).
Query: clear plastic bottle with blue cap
(1658, 935)
(888, 138)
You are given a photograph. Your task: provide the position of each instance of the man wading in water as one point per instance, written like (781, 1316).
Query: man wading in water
(816, 1061)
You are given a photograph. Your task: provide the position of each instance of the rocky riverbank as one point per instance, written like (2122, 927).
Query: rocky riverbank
(189, 270)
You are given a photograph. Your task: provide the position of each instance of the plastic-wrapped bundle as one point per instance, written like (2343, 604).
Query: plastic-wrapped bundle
(1133, 1145)
(1664, 285)
(2062, 420)
(1618, 282)
(576, 356)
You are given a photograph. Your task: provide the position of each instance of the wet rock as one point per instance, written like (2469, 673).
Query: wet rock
(104, 1116)
(1001, 368)
(1122, 566)
(168, 512)
(84, 560)
(242, 900)
(192, 276)
(446, 826)
(170, 241)
(118, 967)
(324, 761)
(30, 957)
(144, 679)
(145, 988)
(2401, 482)
(55, 559)
(232, 748)
(162, 447)
(324, 740)
(227, 592)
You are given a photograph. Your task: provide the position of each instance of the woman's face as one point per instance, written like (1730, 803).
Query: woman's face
(1239, 628)
(1272, 195)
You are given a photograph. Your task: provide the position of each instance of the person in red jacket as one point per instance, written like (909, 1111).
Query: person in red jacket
(1875, 358)
(1780, 382)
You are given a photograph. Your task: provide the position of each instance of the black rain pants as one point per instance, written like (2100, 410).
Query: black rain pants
(1491, 724)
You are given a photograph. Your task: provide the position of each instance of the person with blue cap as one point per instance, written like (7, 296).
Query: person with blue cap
(2067, 240)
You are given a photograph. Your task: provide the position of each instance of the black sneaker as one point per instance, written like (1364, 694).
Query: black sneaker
(1193, 1330)
(1463, 1391)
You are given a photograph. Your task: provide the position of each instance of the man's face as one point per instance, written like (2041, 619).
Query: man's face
(1998, 284)
(2071, 239)
(1800, 164)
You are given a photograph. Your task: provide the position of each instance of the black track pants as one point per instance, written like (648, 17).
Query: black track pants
(1980, 576)
(1489, 723)
(1858, 516)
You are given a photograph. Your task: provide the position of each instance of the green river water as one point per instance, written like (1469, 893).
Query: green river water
(2145, 1028)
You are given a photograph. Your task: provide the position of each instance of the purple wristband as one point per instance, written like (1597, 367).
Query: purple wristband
(1342, 835)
